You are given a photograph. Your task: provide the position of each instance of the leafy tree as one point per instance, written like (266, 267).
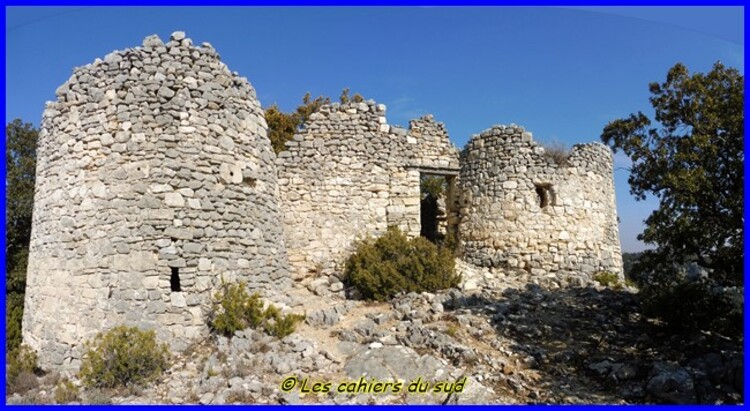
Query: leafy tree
(628, 259)
(20, 162)
(693, 164)
(691, 160)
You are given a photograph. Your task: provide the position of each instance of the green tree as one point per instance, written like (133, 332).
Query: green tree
(282, 126)
(20, 163)
(693, 164)
(691, 160)
(628, 260)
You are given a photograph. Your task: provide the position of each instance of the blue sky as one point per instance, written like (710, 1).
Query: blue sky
(561, 72)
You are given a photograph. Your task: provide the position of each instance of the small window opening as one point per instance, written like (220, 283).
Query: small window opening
(546, 194)
(174, 280)
(249, 181)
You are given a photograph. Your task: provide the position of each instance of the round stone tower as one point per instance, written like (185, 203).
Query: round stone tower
(155, 179)
(522, 208)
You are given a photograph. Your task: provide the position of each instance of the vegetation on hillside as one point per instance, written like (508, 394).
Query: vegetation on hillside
(20, 163)
(628, 260)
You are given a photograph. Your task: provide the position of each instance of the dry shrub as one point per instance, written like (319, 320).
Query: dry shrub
(21, 370)
(240, 397)
(24, 381)
(557, 152)
(66, 392)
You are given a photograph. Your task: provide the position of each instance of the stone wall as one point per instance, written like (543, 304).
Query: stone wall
(349, 174)
(520, 209)
(154, 179)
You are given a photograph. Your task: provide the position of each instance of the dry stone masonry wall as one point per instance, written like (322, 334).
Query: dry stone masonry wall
(349, 174)
(520, 209)
(155, 178)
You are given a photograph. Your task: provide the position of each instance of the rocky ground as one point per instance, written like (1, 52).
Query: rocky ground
(502, 338)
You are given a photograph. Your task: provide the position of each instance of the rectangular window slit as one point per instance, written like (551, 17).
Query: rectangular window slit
(174, 281)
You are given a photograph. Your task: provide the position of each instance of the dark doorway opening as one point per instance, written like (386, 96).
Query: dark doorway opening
(436, 208)
(174, 280)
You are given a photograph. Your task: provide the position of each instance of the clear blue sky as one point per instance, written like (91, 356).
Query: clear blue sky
(562, 73)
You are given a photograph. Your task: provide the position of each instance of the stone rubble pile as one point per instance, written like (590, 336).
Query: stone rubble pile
(525, 343)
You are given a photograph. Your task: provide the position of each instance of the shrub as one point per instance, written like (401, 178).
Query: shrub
(23, 382)
(66, 392)
(607, 279)
(279, 325)
(97, 397)
(557, 152)
(688, 307)
(121, 357)
(21, 370)
(234, 309)
(380, 269)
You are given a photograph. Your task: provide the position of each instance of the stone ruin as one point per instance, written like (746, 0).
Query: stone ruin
(349, 174)
(156, 180)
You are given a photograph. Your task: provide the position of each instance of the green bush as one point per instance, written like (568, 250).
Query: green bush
(21, 370)
(688, 307)
(123, 356)
(380, 269)
(280, 325)
(608, 279)
(234, 309)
